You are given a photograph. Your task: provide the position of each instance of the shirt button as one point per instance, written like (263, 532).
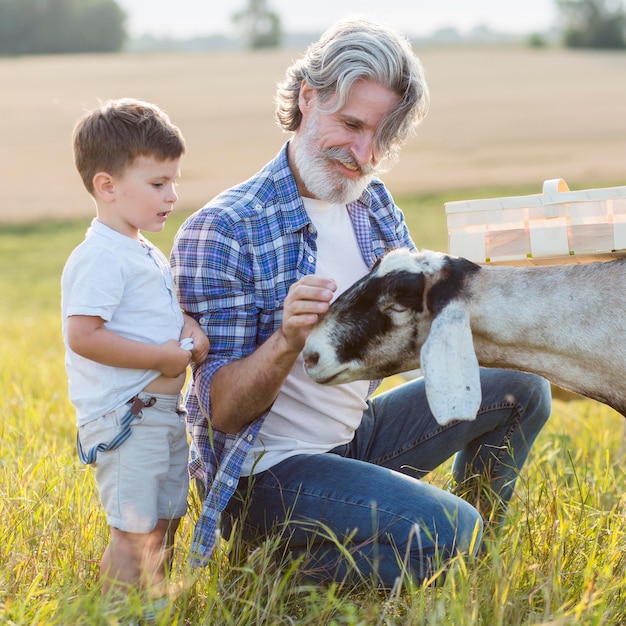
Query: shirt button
(202, 320)
(310, 258)
(249, 438)
(230, 482)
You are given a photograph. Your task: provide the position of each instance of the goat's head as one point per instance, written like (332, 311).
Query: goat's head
(408, 312)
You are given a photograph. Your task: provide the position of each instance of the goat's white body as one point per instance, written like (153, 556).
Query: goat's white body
(566, 323)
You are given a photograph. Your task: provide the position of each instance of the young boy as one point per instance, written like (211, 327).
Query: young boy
(127, 342)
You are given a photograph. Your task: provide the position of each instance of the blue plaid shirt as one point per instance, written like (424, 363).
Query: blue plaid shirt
(233, 263)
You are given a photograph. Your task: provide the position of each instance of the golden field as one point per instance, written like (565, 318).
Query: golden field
(500, 117)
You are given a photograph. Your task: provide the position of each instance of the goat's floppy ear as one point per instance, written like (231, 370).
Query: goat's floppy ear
(450, 366)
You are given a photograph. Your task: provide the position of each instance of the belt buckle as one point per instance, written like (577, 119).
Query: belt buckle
(136, 404)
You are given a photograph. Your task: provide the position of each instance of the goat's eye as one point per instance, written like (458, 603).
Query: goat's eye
(396, 307)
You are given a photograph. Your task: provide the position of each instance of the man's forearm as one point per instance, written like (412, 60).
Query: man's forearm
(243, 390)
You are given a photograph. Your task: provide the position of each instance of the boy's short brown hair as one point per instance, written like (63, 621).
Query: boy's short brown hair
(110, 137)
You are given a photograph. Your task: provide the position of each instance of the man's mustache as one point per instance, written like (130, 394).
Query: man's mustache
(344, 157)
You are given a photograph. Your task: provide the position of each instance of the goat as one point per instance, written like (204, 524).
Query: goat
(448, 315)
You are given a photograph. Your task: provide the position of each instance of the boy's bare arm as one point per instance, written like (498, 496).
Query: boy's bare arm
(88, 336)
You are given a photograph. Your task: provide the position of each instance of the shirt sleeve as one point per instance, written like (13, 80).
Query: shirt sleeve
(215, 284)
(94, 285)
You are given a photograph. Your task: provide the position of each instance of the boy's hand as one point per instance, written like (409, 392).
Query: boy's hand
(174, 360)
(200, 346)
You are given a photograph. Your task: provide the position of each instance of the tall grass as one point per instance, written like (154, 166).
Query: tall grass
(559, 558)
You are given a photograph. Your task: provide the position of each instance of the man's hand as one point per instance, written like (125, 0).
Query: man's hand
(307, 300)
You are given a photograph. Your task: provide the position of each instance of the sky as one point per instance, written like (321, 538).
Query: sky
(185, 18)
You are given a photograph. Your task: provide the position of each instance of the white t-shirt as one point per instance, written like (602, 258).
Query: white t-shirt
(129, 285)
(307, 417)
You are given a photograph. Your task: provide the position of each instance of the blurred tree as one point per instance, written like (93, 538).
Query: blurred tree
(61, 26)
(260, 25)
(536, 40)
(593, 23)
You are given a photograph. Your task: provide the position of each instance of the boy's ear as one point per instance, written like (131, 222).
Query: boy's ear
(104, 186)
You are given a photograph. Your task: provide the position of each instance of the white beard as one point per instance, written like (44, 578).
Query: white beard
(316, 172)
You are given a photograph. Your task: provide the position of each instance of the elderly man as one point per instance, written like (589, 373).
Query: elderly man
(334, 469)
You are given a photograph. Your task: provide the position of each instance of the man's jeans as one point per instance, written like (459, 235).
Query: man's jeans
(360, 510)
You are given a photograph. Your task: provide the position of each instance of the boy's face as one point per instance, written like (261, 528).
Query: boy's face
(141, 198)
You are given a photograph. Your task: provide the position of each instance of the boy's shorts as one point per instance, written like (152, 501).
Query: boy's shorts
(146, 478)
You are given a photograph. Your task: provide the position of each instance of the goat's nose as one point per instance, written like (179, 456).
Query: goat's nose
(310, 358)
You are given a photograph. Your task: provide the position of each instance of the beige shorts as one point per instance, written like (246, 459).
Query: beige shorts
(145, 479)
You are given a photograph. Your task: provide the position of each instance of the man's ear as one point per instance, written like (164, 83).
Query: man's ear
(306, 95)
(104, 186)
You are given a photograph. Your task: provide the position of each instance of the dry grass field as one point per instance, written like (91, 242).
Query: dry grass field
(500, 116)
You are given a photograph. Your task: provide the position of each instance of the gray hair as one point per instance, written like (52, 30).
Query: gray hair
(350, 51)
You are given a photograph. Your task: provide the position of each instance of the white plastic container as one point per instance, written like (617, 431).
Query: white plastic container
(556, 226)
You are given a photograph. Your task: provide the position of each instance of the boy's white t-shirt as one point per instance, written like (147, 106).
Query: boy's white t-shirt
(308, 417)
(129, 285)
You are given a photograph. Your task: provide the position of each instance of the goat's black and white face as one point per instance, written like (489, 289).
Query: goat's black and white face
(377, 327)
(408, 312)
